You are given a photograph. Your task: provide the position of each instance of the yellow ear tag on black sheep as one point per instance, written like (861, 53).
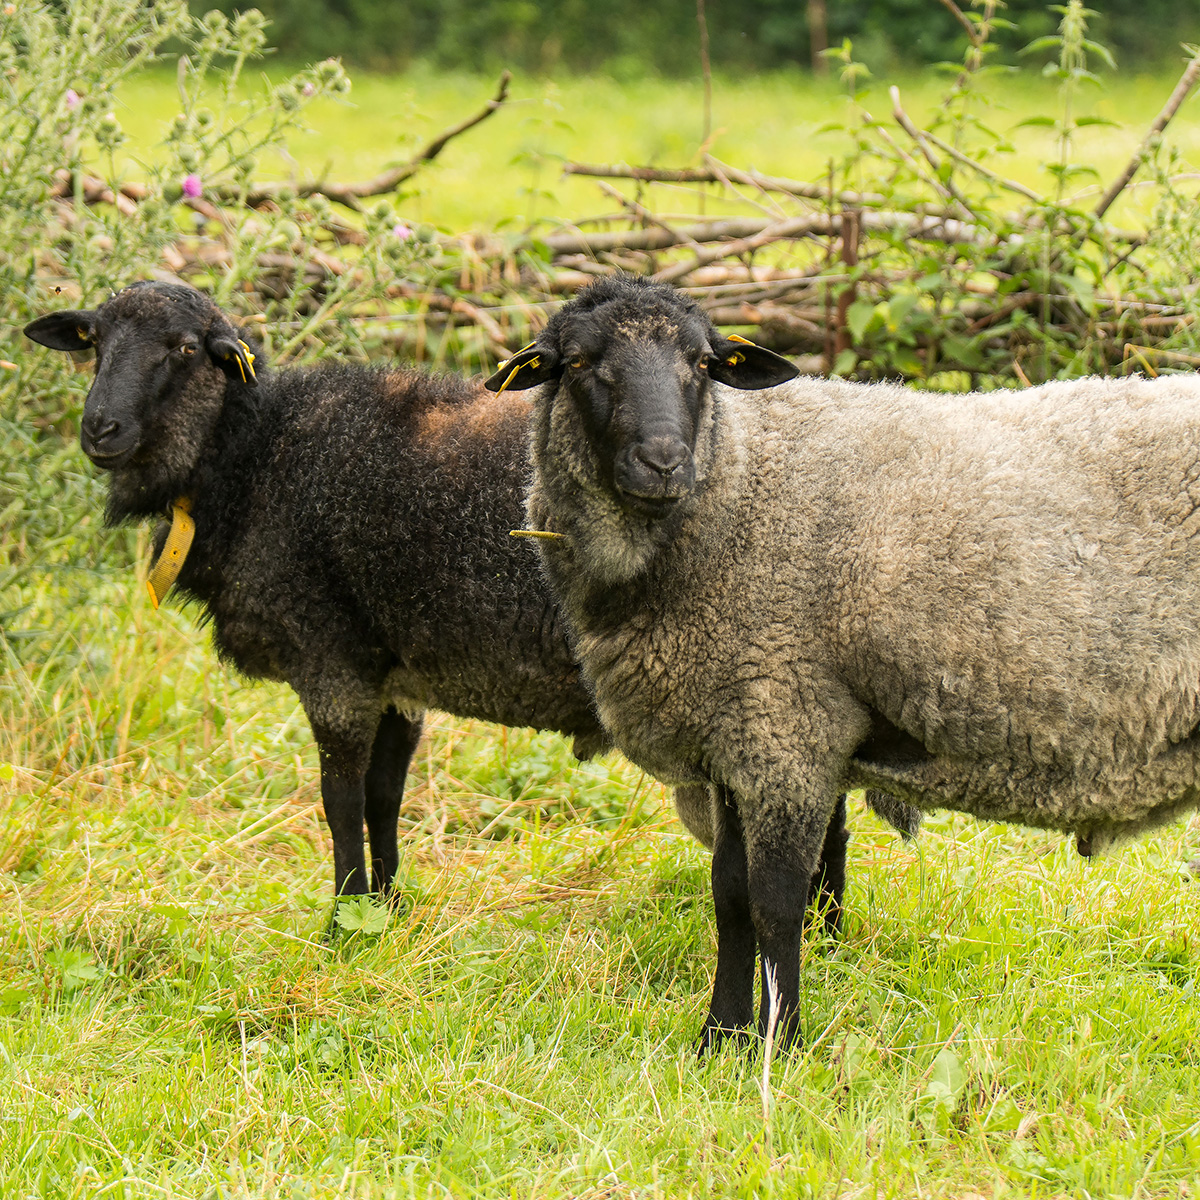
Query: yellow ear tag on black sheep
(245, 361)
(532, 363)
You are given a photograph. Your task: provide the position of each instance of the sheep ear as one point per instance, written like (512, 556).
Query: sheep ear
(742, 364)
(531, 365)
(68, 330)
(233, 356)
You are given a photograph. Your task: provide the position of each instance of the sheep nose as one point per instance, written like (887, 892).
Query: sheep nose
(664, 455)
(100, 428)
(101, 435)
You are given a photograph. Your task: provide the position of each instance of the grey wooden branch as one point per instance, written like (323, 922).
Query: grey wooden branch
(350, 194)
(1186, 82)
(719, 173)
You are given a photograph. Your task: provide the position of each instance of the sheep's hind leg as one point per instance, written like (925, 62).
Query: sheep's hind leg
(829, 883)
(395, 741)
(732, 1008)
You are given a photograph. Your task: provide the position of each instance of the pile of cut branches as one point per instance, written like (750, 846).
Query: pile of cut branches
(945, 265)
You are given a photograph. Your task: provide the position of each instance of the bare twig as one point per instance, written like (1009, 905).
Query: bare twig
(947, 188)
(644, 215)
(793, 227)
(350, 194)
(972, 32)
(1186, 82)
(705, 70)
(850, 234)
(1011, 184)
(766, 183)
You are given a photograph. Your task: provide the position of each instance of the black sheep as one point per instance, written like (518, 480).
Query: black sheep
(350, 539)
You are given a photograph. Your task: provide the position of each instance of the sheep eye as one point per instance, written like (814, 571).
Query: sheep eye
(577, 363)
(705, 359)
(187, 350)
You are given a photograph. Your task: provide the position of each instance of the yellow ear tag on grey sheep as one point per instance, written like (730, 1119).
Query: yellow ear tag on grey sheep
(734, 359)
(733, 337)
(174, 552)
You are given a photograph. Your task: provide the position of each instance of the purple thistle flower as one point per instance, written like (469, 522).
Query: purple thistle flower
(309, 88)
(72, 99)
(192, 187)
(401, 232)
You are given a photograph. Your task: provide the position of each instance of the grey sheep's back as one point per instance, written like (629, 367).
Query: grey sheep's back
(1009, 579)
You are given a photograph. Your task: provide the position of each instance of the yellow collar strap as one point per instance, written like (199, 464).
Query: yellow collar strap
(174, 551)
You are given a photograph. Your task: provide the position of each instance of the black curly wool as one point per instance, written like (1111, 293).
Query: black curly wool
(352, 539)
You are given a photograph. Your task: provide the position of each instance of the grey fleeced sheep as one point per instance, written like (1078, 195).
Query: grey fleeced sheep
(351, 539)
(986, 603)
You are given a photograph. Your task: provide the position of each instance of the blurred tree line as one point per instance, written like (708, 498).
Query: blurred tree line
(632, 36)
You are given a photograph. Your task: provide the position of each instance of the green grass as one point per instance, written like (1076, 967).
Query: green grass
(1000, 1018)
(507, 169)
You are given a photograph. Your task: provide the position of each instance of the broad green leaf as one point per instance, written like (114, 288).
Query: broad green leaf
(859, 316)
(362, 915)
(847, 360)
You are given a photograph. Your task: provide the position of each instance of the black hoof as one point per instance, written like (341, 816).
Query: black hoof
(715, 1037)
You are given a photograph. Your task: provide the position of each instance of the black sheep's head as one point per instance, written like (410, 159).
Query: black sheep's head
(165, 355)
(635, 361)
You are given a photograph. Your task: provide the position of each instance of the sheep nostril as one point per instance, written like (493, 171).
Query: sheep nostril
(664, 457)
(101, 429)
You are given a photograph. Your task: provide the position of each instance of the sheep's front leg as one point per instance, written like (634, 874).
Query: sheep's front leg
(395, 741)
(344, 760)
(732, 1007)
(785, 834)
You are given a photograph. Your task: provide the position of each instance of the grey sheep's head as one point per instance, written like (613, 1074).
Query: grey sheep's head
(635, 360)
(164, 356)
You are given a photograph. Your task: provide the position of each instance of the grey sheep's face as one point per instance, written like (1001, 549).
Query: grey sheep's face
(163, 357)
(638, 394)
(635, 362)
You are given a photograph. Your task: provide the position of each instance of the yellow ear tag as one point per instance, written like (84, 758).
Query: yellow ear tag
(733, 337)
(245, 361)
(533, 362)
(734, 359)
(174, 552)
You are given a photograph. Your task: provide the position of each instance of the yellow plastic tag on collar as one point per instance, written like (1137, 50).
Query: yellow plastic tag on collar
(174, 552)
(548, 534)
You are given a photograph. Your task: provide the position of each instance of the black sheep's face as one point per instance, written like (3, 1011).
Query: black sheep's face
(637, 372)
(164, 354)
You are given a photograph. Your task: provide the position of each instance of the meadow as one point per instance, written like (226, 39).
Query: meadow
(1000, 1017)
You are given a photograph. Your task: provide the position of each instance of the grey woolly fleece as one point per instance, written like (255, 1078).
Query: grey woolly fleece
(989, 603)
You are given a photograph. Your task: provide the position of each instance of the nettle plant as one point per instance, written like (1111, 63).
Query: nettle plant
(1028, 283)
(76, 221)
